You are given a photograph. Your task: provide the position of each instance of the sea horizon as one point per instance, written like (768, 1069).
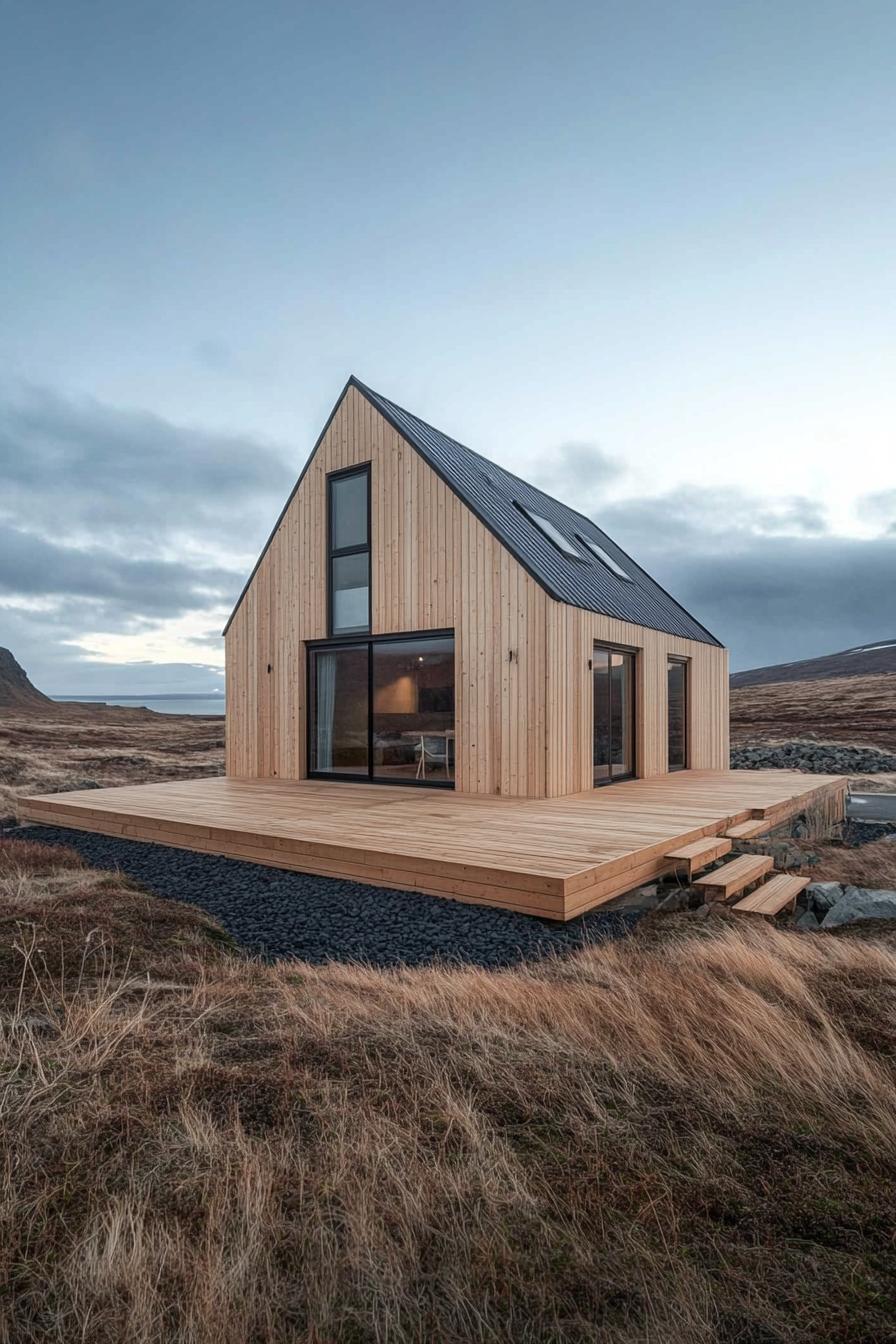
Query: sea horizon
(166, 702)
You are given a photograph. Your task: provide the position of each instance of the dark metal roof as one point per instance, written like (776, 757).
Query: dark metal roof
(494, 494)
(491, 493)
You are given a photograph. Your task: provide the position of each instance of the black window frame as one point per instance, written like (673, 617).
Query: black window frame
(686, 712)
(635, 655)
(313, 646)
(335, 553)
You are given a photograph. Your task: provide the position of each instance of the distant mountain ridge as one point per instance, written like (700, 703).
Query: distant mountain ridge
(16, 691)
(865, 660)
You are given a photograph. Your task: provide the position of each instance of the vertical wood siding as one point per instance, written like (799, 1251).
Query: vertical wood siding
(523, 691)
(433, 566)
(572, 636)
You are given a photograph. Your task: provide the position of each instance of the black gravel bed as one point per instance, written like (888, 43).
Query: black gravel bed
(277, 914)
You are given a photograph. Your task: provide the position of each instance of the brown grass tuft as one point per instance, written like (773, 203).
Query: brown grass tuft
(871, 865)
(680, 1139)
(76, 746)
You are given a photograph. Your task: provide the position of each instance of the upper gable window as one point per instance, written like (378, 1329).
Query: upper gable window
(348, 560)
(551, 532)
(348, 505)
(604, 558)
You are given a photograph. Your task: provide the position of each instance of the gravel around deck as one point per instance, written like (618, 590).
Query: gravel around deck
(277, 914)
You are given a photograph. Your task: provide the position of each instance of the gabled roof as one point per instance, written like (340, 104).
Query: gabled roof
(497, 498)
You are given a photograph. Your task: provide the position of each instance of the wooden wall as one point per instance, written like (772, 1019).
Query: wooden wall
(523, 723)
(572, 634)
(433, 566)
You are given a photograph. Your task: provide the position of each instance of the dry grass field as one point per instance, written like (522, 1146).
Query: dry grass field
(858, 710)
(47, 749)
(688, 1137)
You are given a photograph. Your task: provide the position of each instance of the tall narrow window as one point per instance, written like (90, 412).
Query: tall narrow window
(613, 678)
(677, 681)
(349, 551)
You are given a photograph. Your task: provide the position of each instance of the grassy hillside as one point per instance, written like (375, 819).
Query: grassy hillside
(859, 710)
(865, 660)
(689, 1136)
(56, 747)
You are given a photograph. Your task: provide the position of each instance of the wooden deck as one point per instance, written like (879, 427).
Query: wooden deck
(553, 857)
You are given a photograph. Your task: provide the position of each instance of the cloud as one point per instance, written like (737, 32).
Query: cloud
(576, 470)
(86, 472)
(121, 586)
(879, 508)
(764, 572)
(121, 529)
(765, 575)
(43, 644)
(712, 519)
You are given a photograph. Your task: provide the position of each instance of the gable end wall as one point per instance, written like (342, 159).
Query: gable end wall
(434, 566)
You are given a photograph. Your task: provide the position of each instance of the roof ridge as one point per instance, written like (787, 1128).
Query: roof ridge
(377, 399)
(489, 462)
(576, 581)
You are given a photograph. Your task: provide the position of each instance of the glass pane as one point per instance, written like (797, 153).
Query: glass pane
(552, 533)
(351, 593)
(413, 710)
(677, 676)
(339, 711)
(601, 745)
(606, 558)
(620, 714)
(349, 516)
(613, 685)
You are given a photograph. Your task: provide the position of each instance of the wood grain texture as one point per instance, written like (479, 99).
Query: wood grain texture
(698, 854)
(773, 896)
(735, 876)
(552, 857)
(524, 722)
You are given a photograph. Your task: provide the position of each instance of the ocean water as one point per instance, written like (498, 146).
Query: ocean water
(162, 704)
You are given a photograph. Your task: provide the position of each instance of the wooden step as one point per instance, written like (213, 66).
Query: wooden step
(699, 853)
(773, 896)
(734, 876)
(745, 830)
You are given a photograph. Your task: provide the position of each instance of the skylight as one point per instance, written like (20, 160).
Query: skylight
(605, 559)
(551, 532)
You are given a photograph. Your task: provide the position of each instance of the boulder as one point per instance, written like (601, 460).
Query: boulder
(675, 901)
(821, 896)
(808, 921)
(859, 903)
(642, 898)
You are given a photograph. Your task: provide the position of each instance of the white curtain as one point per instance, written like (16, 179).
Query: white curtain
(325, 704)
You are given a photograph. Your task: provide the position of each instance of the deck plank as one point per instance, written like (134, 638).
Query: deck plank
(735, 876)
(773, 896)
(556, 857)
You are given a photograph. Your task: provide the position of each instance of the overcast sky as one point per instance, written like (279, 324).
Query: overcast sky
(641, 254)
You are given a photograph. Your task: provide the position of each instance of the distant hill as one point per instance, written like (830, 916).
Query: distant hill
(16, 691)
(866, 660)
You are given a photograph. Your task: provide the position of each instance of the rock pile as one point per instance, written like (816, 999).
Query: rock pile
(828, 905)
(820, 758)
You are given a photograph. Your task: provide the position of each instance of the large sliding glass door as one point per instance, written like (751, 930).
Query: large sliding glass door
(383, 710)
(613, 748)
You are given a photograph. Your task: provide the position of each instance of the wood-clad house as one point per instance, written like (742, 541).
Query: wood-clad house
(421, 616)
